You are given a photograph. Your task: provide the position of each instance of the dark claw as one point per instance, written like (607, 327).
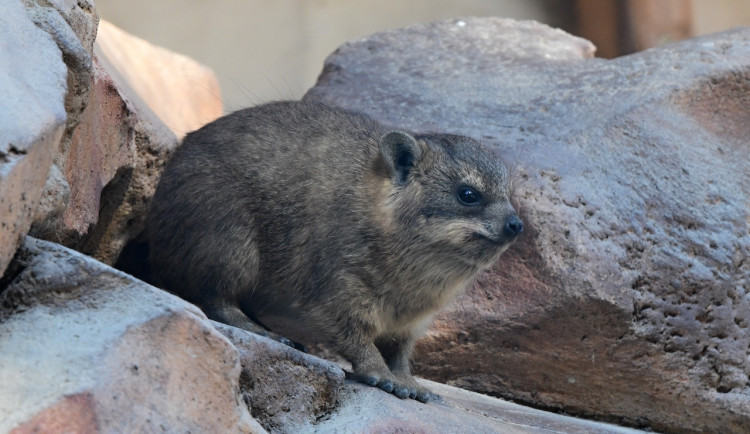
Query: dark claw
(401, 392)
(412, 393)
(386, 385)
(423, 397)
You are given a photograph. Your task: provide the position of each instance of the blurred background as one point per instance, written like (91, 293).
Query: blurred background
(265, 50)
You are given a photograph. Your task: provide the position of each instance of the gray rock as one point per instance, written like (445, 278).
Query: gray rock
(290, 391)
(283, 387)
(86, 348)
(32, 94)
(626, 297)
(365, 409)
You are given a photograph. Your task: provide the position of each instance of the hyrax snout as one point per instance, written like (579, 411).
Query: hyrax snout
(358, 233)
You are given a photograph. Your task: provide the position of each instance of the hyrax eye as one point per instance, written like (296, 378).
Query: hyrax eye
(468, 196)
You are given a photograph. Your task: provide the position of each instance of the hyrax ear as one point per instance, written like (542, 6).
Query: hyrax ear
(401, 152)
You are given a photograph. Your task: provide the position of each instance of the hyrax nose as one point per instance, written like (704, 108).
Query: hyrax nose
(513, 227)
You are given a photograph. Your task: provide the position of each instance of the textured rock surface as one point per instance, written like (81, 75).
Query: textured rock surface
(87, 348)
(112, 167)
(283, 387)
(290, 391)
(626, 298)
(73, 26)
(32, 121)
(368, 410)
(108, 172)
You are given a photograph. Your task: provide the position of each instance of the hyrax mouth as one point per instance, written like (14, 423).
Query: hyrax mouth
(489, 238)
(512, 228)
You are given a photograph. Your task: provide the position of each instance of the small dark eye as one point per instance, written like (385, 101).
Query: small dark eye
(468, 196)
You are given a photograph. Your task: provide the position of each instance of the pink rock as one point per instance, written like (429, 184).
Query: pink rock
(73, 27)
(86, 348)
(111, 165)
(102, 143)
(72, 413)
(181, 92)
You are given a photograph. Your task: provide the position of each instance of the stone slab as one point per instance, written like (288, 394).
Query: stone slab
(86, 347)
(32, 94)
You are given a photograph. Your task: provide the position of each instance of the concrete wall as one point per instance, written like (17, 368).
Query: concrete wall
(711, 16)
(267, 50)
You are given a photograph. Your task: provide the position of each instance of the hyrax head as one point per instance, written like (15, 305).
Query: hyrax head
(450, 194)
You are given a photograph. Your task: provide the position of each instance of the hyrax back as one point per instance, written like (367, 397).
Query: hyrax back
(301, 210)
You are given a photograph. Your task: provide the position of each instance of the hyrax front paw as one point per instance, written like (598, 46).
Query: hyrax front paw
(286, 341)
(421, 394)
(390, 384)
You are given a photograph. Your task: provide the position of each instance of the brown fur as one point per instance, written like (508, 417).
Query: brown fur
(301, 210)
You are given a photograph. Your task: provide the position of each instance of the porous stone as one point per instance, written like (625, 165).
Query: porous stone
(87, 348)
(108, 172)
(72, 25)
(626, 297)
(283, 387)
(290, 391)
(32, 94)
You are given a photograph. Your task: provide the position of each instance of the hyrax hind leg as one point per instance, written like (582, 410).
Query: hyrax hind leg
(233, 316)
(396, 351)
(229, 272)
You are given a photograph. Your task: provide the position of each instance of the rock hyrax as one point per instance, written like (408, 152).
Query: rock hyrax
(358, 233)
